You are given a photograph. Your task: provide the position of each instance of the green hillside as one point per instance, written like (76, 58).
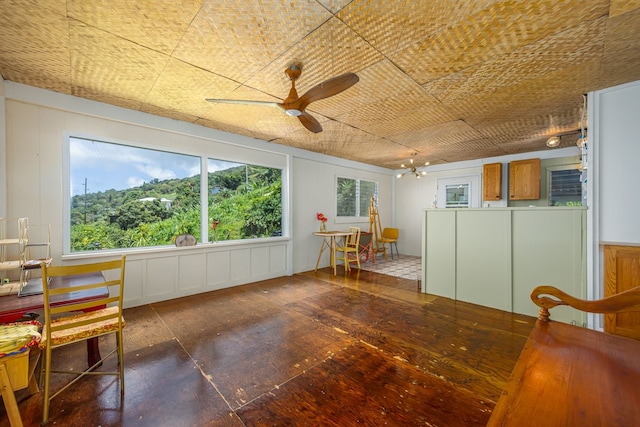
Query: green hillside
(246, 202)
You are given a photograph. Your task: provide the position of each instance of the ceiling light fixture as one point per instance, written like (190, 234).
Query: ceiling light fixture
(553, 142)
(413, 169)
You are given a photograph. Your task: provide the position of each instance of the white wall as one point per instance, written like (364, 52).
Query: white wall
(415, 195)
(618, 144)
(3, 150)
(314, 186)
(38, 121)
(614, 150)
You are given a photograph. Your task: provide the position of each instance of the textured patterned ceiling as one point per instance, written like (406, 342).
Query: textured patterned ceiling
(448, 80)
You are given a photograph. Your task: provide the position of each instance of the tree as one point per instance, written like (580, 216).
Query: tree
(132, 214)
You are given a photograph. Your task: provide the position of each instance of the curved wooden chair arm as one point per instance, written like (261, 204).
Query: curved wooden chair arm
(628, 300)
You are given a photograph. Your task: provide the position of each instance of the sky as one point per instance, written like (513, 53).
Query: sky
(112, 166)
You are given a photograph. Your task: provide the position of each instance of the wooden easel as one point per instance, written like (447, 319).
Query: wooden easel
(374, 227)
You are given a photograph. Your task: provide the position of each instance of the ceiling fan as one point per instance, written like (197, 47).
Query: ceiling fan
(294, 106)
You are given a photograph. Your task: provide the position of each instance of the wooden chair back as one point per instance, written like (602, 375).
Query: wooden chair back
(108, 274)
(353, 239)
(69, 320)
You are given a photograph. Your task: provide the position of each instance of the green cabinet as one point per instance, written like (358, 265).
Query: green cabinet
(496, 257)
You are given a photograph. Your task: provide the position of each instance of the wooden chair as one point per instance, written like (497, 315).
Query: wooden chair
(390, 237)
(96, 318)
(351, 248)
(560, 361)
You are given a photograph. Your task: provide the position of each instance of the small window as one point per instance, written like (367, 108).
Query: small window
(457, 196)
(565, 187)
(458, 192)
(353, 196)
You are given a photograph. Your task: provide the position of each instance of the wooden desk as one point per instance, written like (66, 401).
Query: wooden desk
(572, 376)
(329, 241)
(13, 307)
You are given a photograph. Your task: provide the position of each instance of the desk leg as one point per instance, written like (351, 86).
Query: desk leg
(333, 255)
(93, 351)
(324, 242)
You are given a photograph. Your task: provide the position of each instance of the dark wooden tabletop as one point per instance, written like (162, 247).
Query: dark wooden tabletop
(12, 307)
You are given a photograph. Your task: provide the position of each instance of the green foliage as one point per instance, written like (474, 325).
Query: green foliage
(346, 197)
(248, 204)
(252, 214)
(134, 213)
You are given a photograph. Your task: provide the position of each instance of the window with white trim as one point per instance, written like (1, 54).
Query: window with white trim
(565, 187)
(124, 196)
(459, 192)
(353, 197)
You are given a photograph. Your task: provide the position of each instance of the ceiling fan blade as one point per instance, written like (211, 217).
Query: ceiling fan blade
(246, 102)
(294, 106)
(310, 122)
(328, 88)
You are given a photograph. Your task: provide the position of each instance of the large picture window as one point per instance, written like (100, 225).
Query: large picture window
(123, 196)
(353, 196)
(245, 201)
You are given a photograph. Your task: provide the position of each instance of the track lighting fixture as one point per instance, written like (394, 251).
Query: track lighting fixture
(553, 142)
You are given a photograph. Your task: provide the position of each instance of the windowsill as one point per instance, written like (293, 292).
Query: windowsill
(169, 248)
(352, 220)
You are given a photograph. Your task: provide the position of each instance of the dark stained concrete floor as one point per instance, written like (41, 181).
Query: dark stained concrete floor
(313, 349)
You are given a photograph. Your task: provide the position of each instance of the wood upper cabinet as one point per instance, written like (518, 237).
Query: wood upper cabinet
(492, 181)
(524, 179)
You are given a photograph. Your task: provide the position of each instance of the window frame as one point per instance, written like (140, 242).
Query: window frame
(204, 196)
(558, 168)
(358, 218)
(473, 181)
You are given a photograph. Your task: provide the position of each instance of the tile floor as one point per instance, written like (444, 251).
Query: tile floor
(405, 266)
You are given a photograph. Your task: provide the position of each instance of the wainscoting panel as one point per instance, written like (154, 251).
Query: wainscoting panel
(160, 277)
(240, 265)
(218, 272)
(260, 261)
(192, 272)
(169, 273)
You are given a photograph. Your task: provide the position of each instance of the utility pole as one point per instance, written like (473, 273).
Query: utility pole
(85, 200)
